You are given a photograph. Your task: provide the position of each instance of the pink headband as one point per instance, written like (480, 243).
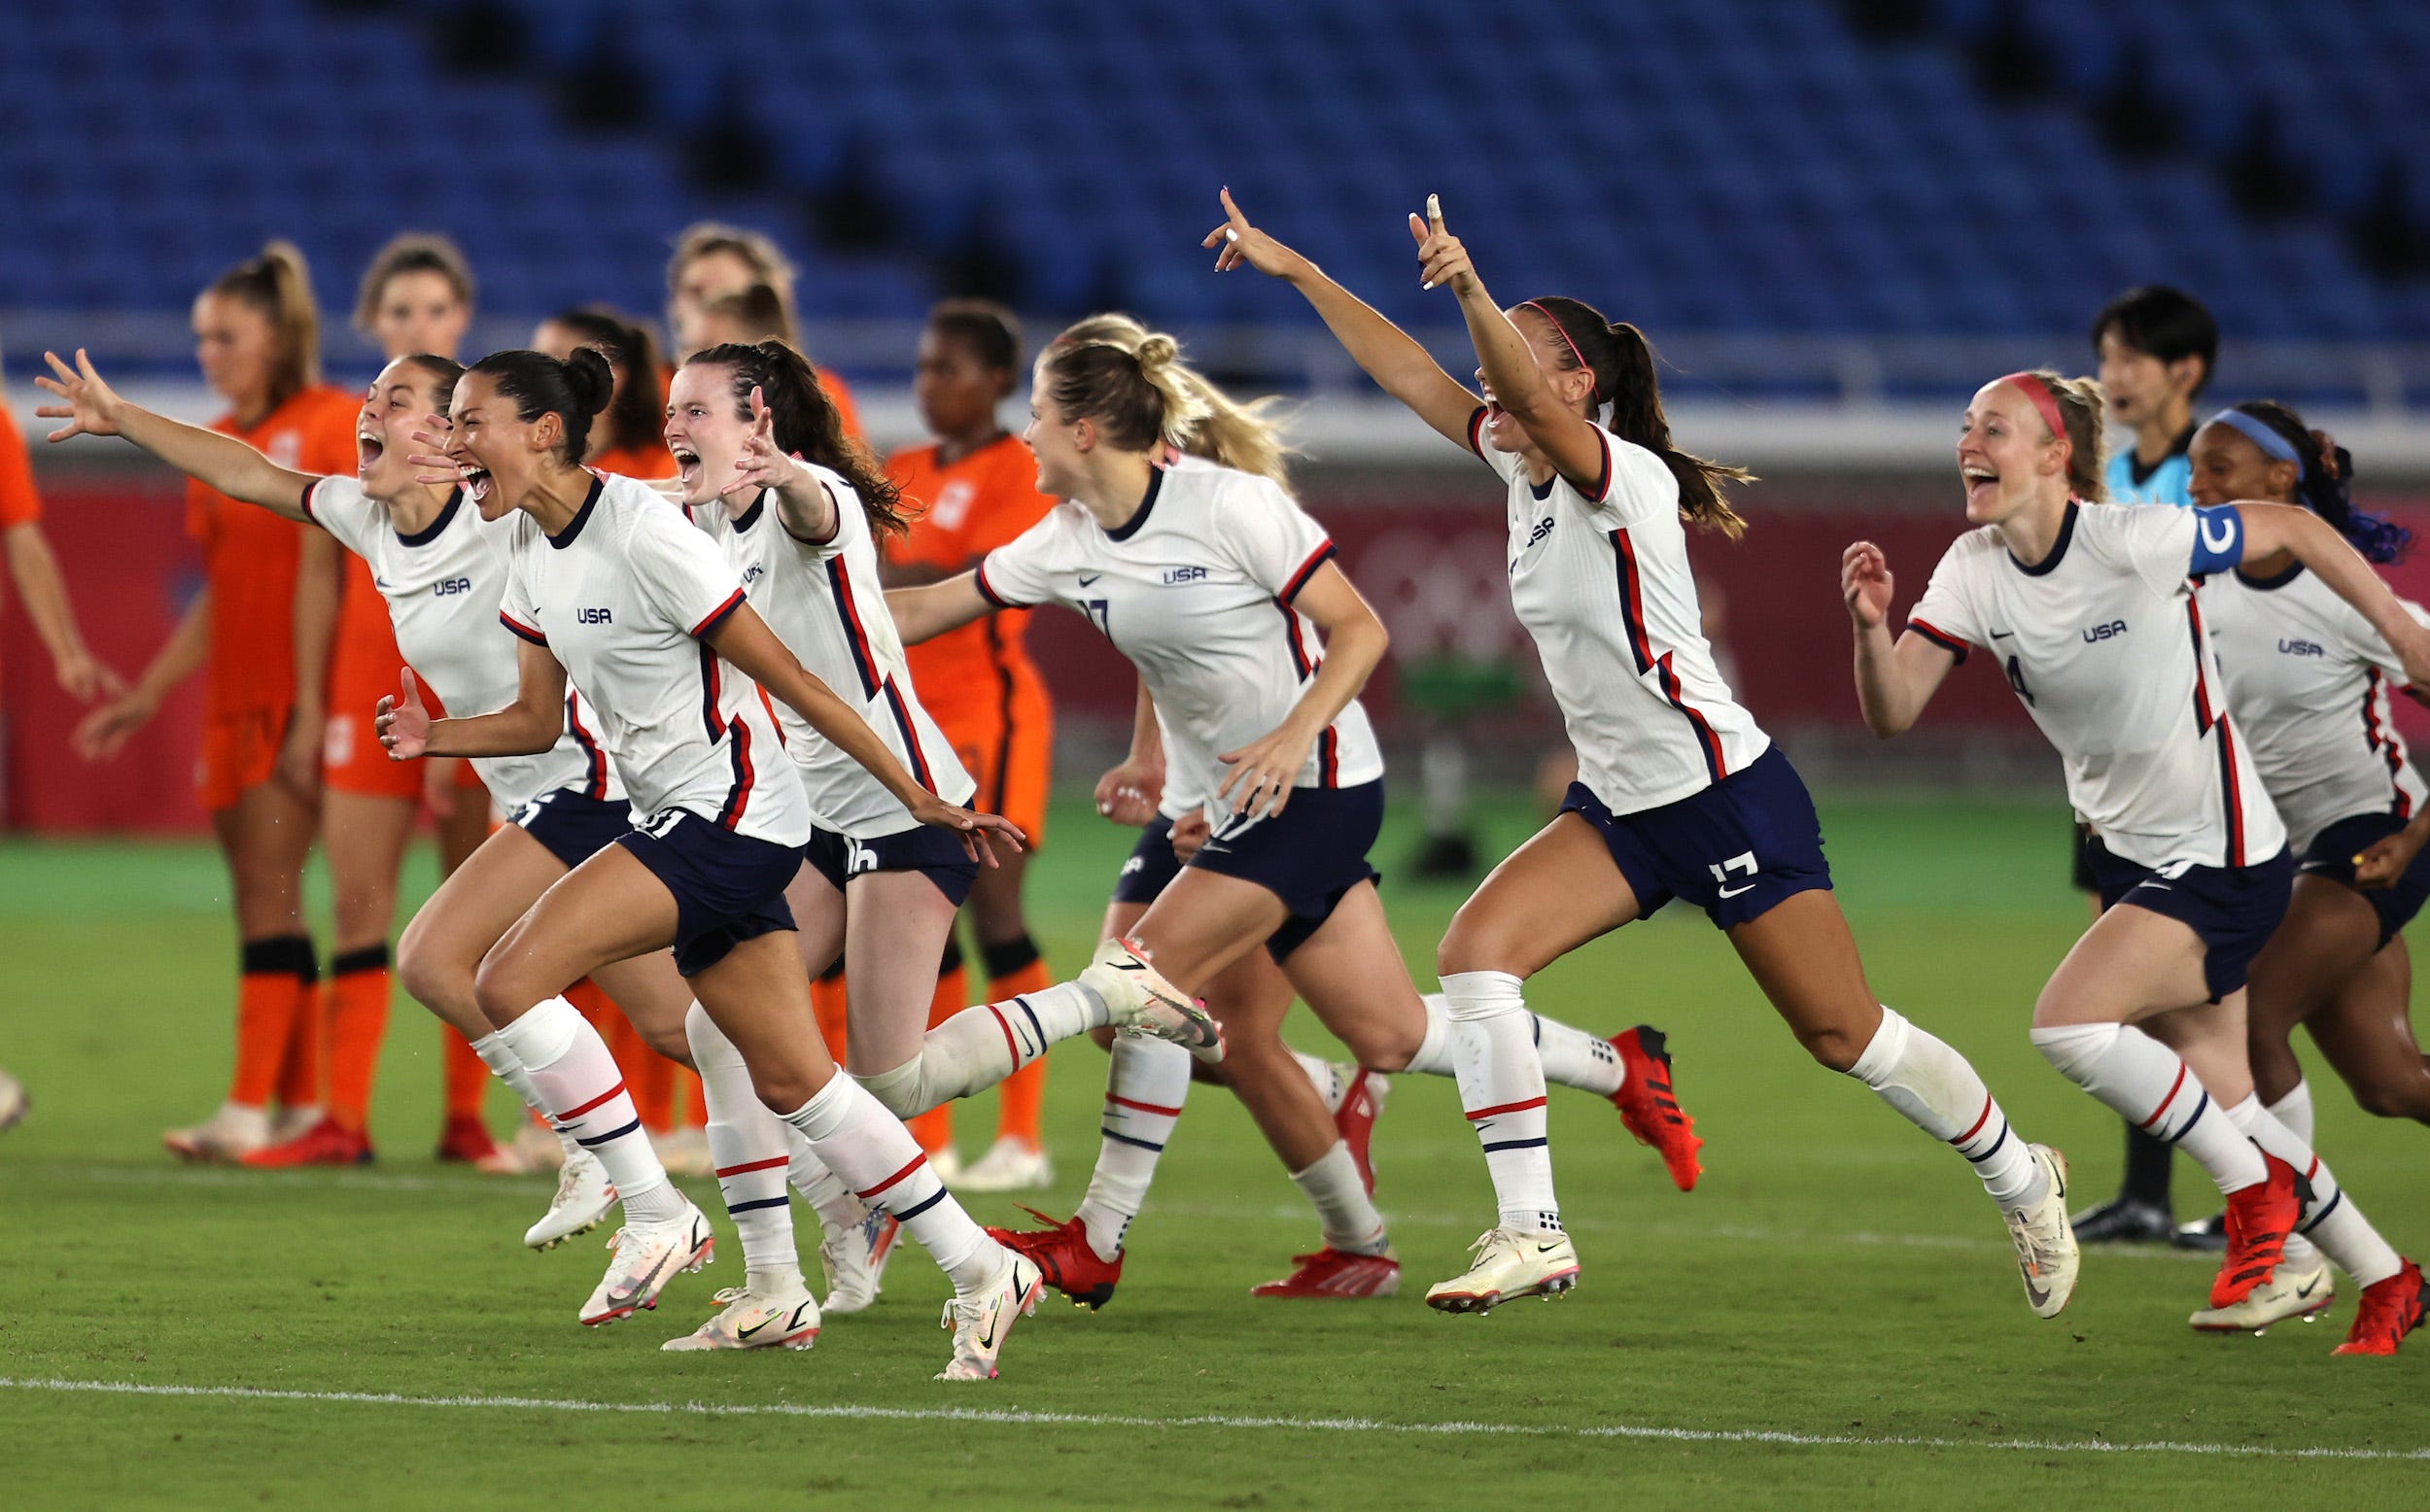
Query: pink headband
(1593, 387)
(2038, 392)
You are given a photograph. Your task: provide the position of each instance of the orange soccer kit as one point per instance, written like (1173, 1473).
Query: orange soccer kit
(20, 505)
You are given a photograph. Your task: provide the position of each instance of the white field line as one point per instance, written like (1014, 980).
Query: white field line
(1023, 1417)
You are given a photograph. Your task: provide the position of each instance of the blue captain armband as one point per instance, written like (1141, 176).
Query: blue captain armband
(2218, 539)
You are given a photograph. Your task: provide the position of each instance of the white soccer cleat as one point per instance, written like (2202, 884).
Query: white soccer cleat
(684, 1151)
(648, 1255)
(981, 1319)
(12, 1102)
(1509, 1264)
(744, 1320)
(854, 1261)
(2046, 1251)
(584, 1195)
(2289, 1293)
(1140, 1001)
(226, 1136)
(1009, 1165)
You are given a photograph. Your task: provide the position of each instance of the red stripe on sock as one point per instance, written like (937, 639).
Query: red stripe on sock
(575, 1112)
(1978, 1124)
(1125, 1102)
(2166, 1101)
(916, 1162)
(1487, 1113)
(1012, 1046)
(725, 1171)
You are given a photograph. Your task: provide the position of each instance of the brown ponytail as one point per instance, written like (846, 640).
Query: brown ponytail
(278, 285)
(806, 423)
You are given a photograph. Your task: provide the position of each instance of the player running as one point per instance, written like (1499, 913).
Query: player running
(1680, 793)
(2091, 613)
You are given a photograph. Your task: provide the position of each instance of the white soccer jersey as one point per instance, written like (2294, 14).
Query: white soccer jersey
(826, 603)
(1602, 585)
(2309, 681)
(621, 599)
(1196, 592)
(442, 586)
(2104, 642)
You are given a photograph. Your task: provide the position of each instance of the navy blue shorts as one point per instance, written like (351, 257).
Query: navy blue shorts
(936, 853)
(1734, 849)
(1152, 866)
(2332, 855)
(728, 887)
(2234, 910)
(575, 826)
(1310, 856)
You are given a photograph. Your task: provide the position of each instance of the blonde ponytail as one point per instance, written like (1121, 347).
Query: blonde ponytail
(278, 283)
(2081, 405)
(1244, 438)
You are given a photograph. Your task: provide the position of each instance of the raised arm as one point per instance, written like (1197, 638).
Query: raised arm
(2266, 528)
(1264, 771)
(929, 610)
(1391, 356)
(526, 727)
(1895, 679)
(220, 462)
(804, 506)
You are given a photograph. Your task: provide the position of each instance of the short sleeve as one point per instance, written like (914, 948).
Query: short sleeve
(1506, 465)
(2364, 645)
(1020, 574)
(2164, 547)
(680, 572)
(515, 608)
(1946, 615)
(1637, 485)
(20, 505)
(1277, 544)
(339, 506)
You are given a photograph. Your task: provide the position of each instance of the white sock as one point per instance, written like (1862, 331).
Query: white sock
(829, 1195)
(580, 1088)
(854, 1136)
(1434, 1056)
(980, 1046)
(2330, 1221)
(2294, 1110)
(2144, 1083)
(748, 1145)
(1352, 1224)
(505, 1064)
(1502, 1091)
(1322, 1076)
(1573, 1057)
(1939, 1093)
(1144, 1091)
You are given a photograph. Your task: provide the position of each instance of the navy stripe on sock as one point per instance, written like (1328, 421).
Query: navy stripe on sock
(598, 1140)
(915, 1209)
(1995, 1144)
(1517, 1143)
(732, 1208)
(2198, 1108)
(2331, 1207)
(1141, 1143)
(1024, 1004)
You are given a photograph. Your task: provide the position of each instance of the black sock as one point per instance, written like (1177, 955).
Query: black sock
(2149, 1160)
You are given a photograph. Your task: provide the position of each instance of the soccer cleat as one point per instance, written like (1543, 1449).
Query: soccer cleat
(684, 1151)
(648, 1255)
(14, 1101)
(982, 1318)
(584, 1195)
(2259, 1220)
(226, 1136)
(1138, 1000)
(293, 1120)
(746, 1321)
(2288, 1294)
(2203, 1233)
(1011, 1165)
(1650, 1108)
(2046, 1251)
(854, 1261)
(1334, 1273)
(2124, 1219)
(1509, 1264)
(2391, 1308)
(467, 1140)
(326, 1143)
(1062, 1253)
(1362, 1097)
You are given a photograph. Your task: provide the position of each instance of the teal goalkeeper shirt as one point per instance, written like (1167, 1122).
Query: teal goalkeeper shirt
(2171, 482)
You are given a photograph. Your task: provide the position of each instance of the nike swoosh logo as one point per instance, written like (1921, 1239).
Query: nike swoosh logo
(2004, 634)
(986, 1341)
(1090, 581)
(745, 1333)
(2036, 1295)
(1732, 892)
(2306, 1288)
(1546, 1249)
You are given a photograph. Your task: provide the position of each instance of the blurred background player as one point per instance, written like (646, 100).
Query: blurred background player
(257, 338)
(712, 259)
(2157, 348)
(972, 489)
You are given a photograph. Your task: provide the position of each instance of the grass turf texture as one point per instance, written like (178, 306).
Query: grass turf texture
(1837, 1277)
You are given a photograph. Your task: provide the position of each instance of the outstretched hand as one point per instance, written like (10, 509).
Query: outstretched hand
(1864, 582)
(1440, 259)
(1240, 242)
(763, 464)
(433, 436)
(93, 407)
(979, 833)
(403, 723)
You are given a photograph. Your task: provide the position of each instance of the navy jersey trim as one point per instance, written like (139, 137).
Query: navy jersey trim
(988, 590)
(739, 796)
(1641, 647)
(1146, 506)
(2274, 581)
(718, 615)
(750, 517)
(1329, 743)
(1476, 431)
(581, 517)
(2385, 744)
(437, 526)
(910, 735)
(855, 635)
(1602, 491)
(525, 631)
(308, 511)
(711, 693)
(2057, 550)
(1307, 569)
(1939, 637)
(594, 758)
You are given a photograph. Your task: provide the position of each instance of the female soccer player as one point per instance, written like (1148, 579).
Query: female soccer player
(617, 594)
(2092, 614)
(1680, 793)
(712, 261)
(628, 442)
(2308, 681)
(257, 334)
(977, 487)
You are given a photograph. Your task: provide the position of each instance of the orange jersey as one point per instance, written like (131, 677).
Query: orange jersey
(249, 554)
(645, 463)
(20, 505)
(963, 511)
(840, 395)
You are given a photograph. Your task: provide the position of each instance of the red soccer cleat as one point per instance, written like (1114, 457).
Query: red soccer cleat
(467, 1139)
(2259, 1220)
(2391, 1309)
(1061, 1253)
(1361, 1104)
(1650, 1108)
(1331, 1273)
(326, 1143)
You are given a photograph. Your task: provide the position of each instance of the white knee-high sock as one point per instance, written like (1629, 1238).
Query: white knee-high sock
(1573, 1057)
(2144, 1083)
(853, 1135)
(2330, 1221)
(1436, 1054)
(581, 1089)
(1502, 1091)
(505, 1064)
(1938, 1092)
(829, 1195)
(980, 1046)
(748, 1145)
(1322, 1076)
(2294, 1110)
(1144, 1091)
(1352, 1224)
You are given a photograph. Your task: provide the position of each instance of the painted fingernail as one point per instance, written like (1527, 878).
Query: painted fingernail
(1231, 235)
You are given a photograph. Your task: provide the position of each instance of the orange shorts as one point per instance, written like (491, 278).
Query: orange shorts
(1006, 742)
(238, 751)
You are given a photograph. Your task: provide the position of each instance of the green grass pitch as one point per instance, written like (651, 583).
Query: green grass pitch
(1833, 1316)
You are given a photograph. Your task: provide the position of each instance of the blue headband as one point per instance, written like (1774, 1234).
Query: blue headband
(2262, 435)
